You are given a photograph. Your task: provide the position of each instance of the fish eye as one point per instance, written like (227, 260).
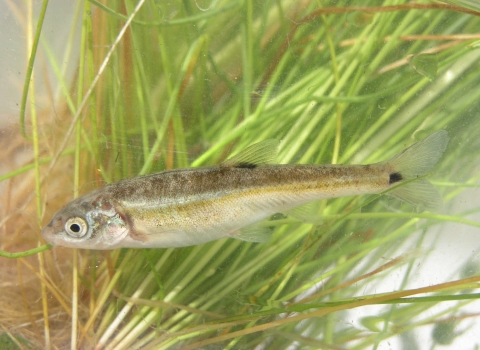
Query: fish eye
(76, 227)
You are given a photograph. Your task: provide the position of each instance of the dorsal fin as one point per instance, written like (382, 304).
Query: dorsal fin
(260, 153)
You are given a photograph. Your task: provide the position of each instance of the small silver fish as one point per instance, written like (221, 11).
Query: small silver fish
(192, 206)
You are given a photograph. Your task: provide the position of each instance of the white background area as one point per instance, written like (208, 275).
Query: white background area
(13, 58)
(445, 250)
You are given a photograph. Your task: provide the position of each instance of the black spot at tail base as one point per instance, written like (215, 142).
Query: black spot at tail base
(395, 177)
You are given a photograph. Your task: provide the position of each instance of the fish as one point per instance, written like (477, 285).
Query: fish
(191, 206)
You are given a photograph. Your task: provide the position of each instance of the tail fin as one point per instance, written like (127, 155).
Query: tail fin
(413, 162)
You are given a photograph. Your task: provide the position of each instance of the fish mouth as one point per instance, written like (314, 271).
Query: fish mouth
(50, 231)
(48, 235)
(53, 237)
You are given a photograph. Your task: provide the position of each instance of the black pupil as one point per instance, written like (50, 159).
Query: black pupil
(75, 228)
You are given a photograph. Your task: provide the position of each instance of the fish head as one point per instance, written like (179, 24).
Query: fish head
(93, 221)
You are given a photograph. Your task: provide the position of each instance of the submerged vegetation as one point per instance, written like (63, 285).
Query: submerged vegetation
(162, 85)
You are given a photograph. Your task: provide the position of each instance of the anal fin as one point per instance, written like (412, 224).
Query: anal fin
(309, 212)
(257, 233)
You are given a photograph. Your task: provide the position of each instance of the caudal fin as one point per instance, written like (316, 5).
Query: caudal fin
(416, 161)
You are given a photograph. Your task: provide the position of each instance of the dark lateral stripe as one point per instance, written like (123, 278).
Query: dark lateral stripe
(395, 177)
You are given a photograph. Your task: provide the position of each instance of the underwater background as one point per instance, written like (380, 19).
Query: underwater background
(122, 88)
